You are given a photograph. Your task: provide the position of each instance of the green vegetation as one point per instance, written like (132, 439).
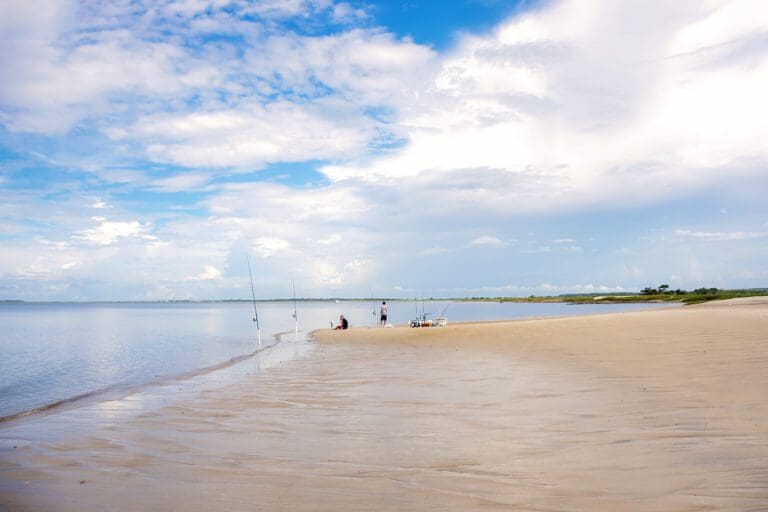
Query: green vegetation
(662, 293)
(699, 295)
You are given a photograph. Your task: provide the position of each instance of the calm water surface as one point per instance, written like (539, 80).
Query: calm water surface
(55, 352)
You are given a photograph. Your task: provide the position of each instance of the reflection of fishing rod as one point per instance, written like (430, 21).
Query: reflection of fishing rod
(253, 295)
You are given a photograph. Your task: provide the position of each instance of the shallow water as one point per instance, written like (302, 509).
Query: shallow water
(55, 352)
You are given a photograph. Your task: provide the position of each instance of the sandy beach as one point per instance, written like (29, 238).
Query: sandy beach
(661, 410)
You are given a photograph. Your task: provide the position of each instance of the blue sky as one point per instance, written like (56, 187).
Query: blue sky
(440, 24)
(461, 148)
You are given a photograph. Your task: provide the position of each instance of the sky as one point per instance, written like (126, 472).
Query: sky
(397, 149)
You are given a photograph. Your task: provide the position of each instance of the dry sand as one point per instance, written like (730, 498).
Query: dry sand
(651, 411)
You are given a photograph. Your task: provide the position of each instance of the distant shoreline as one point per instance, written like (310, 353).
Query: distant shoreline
(596, 298)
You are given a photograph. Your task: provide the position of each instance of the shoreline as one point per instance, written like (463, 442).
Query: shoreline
(118, 391)
(69, 397)
(605, 298)
(326, 335)
(662, 408)
(196, 378)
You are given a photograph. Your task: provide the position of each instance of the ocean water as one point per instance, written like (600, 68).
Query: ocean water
(63, 352)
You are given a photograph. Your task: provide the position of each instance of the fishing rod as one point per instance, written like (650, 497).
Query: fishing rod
(373, 307)
(253, 295)
(295, 316)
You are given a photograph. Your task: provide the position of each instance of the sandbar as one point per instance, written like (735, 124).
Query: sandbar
(644, 411)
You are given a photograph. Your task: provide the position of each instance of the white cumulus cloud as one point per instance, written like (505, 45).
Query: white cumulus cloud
(108, 232)
(209, 272)
(579, 104)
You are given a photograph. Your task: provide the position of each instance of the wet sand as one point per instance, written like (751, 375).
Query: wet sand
(644, 411)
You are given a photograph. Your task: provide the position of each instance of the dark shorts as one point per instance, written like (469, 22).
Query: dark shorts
(383, 318)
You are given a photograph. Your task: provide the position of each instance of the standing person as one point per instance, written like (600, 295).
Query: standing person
(383, 313)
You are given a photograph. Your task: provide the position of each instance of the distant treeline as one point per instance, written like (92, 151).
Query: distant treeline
(661, 293)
